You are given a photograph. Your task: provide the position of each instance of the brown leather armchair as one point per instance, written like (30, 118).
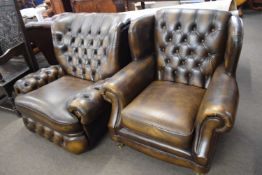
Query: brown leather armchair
(63, 103)
(181, 92)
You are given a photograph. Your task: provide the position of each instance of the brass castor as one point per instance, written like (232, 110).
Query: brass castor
(120, 145)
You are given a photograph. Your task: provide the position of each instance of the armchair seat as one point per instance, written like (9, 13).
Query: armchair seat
(47, 106)
(152, 114)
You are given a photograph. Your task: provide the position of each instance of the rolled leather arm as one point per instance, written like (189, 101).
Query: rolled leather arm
(130, 81)
(216, 114)
(38, 79)
(88, 104)
(220, 100)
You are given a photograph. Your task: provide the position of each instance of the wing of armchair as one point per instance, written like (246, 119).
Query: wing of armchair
(218, 109)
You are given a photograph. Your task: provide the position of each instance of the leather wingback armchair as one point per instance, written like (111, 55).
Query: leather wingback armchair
(181, 92)
(63, 102)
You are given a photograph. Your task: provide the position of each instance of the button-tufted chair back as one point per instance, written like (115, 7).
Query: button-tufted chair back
(190, 44)
(87, 45)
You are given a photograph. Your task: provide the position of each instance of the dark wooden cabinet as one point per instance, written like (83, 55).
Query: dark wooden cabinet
(106, 6)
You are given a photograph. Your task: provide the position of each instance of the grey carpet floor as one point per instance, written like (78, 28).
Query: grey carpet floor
(238, 152)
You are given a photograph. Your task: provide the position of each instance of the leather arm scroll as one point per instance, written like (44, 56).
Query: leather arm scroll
(220, 100)
(130, 81)
(87, 105)
(36, 80)
(216, 113)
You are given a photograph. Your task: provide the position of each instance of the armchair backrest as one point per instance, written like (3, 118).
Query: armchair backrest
(190, 44)
(87, 46)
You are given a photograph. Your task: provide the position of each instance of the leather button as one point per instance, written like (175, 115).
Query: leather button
(163, 49)
(82, 41)
(178, 27)
(79, 61)
(202, 40)
(91, 42)
(76, 50)
(191, 52)
(69, 59)
(85, 96)
(98, 62)
(72, 40)
(167, 60)
(176, 51)
(212, 30)
(95, 51)
(89, 32)
(189, 74)
(79, 31)
(174, 72)
(99, 32)
(183, 62)
(93, 73)
(163, 25)
(59, 37)
(194, 28)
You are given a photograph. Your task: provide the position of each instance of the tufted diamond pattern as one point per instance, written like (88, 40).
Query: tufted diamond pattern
(86, 45)
(38, 79)
(190, 46)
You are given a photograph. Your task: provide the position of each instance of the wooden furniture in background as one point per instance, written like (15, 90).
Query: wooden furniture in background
(255, 4)
(129, 3)
(98, 5)
(60, 6)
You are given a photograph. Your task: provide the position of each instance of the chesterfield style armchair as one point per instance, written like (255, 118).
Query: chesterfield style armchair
(181, 92)
(63, 103)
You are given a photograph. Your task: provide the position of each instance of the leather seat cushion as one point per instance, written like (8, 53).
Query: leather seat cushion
(164, 111)
(48, 104)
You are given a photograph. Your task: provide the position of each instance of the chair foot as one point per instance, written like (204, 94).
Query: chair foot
(120, 145)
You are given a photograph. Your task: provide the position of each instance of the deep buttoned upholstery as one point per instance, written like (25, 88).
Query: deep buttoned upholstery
(87, 45)
(190, 46)
(63, 103)
(181, 92)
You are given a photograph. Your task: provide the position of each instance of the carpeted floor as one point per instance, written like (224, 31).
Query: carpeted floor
(238, 152)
